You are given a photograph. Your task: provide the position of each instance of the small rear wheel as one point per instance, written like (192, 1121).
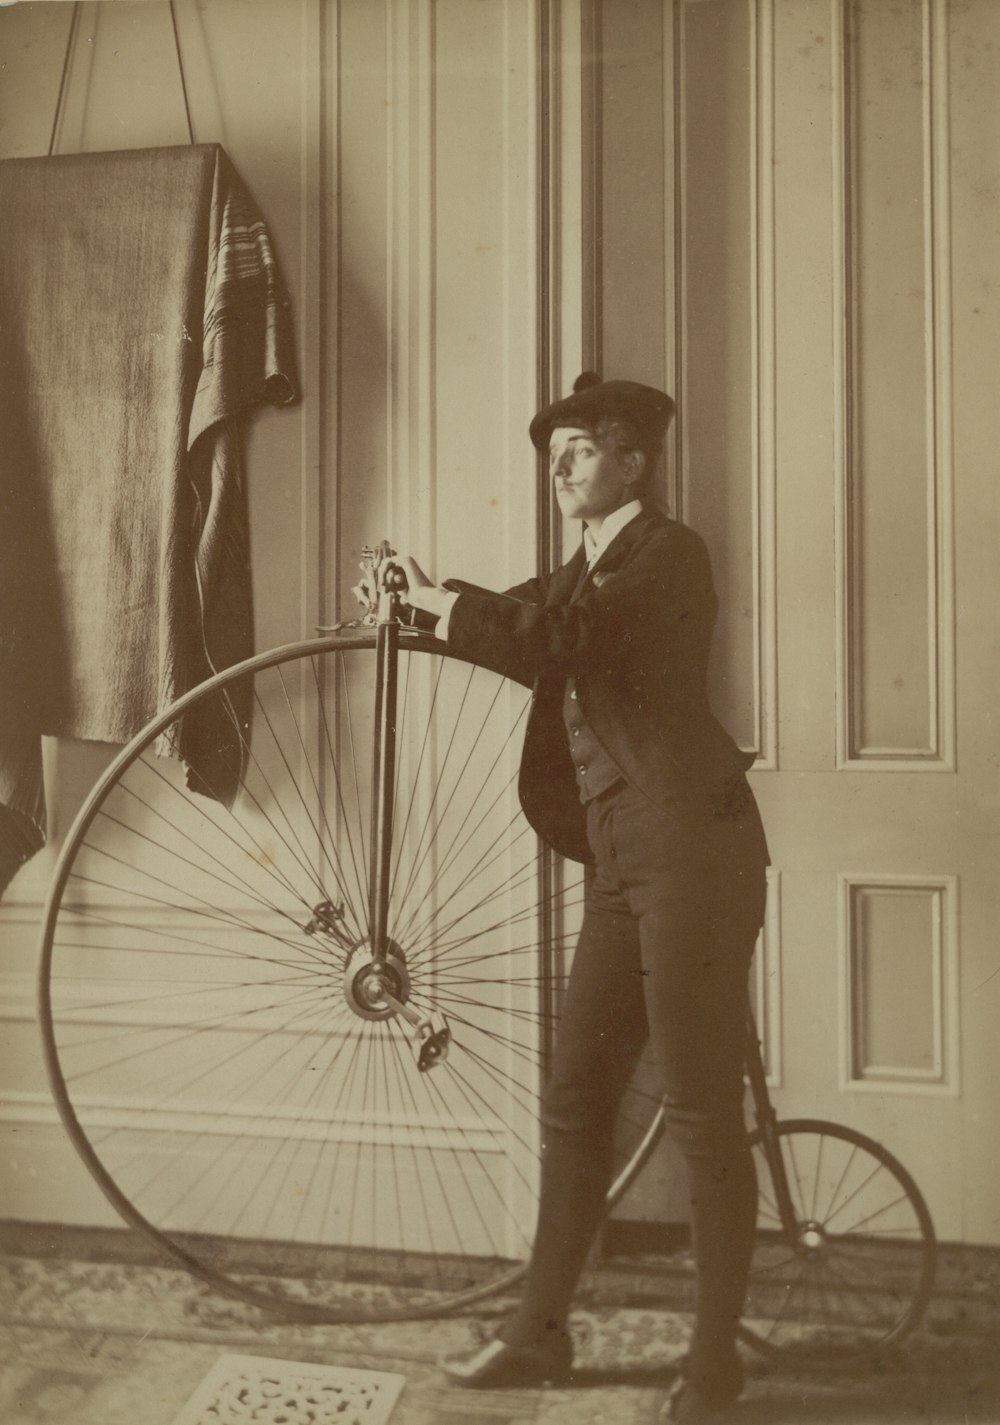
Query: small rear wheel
(856, 1273)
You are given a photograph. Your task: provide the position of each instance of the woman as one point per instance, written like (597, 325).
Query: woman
(625, 767)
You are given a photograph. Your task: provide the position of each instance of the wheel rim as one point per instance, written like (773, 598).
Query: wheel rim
(857, 1273)
(219, 1051)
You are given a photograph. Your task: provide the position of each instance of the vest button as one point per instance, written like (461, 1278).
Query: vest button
(582, 769)
(573, 695)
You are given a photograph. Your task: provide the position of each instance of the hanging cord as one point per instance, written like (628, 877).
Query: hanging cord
(73, 26)
(65, 74)
(180, 71)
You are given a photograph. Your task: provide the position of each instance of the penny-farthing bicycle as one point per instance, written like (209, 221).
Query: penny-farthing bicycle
(299, 1040)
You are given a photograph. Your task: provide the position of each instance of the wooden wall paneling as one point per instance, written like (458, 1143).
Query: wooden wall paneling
(497, 253)
(33, 41)
(804, 321)
(327, 190)
(899, 968)
(727, 413)
(674, 150)
(364, 111)
(764, 398)
(254, 84)
(765, 982)
(411, 225)
(571, 185)
(973, 34)
(896, 686)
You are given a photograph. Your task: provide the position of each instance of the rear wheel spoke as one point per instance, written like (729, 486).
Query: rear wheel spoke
(849, 1282)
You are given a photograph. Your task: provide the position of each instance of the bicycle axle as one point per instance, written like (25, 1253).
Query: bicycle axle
(381, 991)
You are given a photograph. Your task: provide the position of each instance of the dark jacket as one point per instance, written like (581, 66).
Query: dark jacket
(635, 634)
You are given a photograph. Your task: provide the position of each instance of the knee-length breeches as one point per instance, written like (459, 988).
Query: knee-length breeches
(671, 918)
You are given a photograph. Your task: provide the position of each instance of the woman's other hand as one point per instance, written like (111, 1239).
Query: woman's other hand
(366, 590)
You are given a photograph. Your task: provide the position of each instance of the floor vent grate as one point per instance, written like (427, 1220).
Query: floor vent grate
(256, 1390)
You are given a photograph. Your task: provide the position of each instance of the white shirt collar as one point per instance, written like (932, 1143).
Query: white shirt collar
(614, 523)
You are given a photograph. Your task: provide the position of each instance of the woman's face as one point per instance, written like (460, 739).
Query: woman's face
(590, 476)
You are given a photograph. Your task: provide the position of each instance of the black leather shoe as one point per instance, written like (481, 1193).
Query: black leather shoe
(703, 1400)
(687, 1405)
(497, 1365)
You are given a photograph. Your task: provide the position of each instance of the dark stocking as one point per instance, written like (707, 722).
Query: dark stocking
(576, 1172)
(723, 1195)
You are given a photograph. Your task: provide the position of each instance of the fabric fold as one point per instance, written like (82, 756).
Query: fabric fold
(142, 320)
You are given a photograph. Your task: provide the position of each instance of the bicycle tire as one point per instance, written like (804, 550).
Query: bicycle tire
(858, 1274)
(298, 1164)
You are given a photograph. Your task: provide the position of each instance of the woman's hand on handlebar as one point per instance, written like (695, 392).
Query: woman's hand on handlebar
(414, 577)
(420, 591)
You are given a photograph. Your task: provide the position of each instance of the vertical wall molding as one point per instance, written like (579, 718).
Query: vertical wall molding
(762, 315)
(767, 982)
(574, 193)
(942, 1077)
(568, 261)
(940, 753)
(941, 502)
(527, 256)
(681, 141)
(329, 222)
(318, 559)
(673, 251)
(591, 244)
(312, 318)
(764, 385)
(548, 255)
(568, 307)
(410, 229)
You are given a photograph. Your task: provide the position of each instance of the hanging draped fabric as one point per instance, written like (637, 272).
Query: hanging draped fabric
(141, 318)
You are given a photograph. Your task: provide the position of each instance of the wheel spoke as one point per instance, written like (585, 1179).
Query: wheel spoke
(851, 1284)
(217, 1031)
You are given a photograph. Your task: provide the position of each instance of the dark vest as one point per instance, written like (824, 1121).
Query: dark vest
(593, 768)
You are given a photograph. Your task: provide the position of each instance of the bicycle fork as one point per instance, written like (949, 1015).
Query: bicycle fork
(767, 1122)
(387, 967)
(383, 767)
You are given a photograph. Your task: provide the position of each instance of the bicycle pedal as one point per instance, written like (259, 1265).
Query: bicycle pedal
(329, 918)
(435, 1037)
(433, 1050)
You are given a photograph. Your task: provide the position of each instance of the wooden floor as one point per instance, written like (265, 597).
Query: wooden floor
(91, 1341)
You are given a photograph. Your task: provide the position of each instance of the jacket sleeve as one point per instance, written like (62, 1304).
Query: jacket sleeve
(661, 600)
(533, 591)
(507, 661)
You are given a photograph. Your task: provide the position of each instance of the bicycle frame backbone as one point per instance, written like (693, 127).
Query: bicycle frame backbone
(432, 1029)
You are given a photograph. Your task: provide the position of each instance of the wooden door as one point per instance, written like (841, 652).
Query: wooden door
(837, 212)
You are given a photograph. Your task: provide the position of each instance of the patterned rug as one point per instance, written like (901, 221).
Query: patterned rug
(89, 1342)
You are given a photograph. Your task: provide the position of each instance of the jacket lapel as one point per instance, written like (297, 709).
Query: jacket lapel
(617, 552)
(625, 541)
(564, 581)
(573, 578)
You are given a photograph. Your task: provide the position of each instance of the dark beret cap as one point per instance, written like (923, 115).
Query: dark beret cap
(595, 400)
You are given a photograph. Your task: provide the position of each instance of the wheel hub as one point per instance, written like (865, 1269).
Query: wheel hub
(366, 985)
(812, 1238)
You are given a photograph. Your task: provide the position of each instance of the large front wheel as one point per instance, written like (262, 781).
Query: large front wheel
(249, 1084)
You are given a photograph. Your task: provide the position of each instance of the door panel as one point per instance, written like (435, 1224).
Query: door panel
(829, 192)
(879, 810)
